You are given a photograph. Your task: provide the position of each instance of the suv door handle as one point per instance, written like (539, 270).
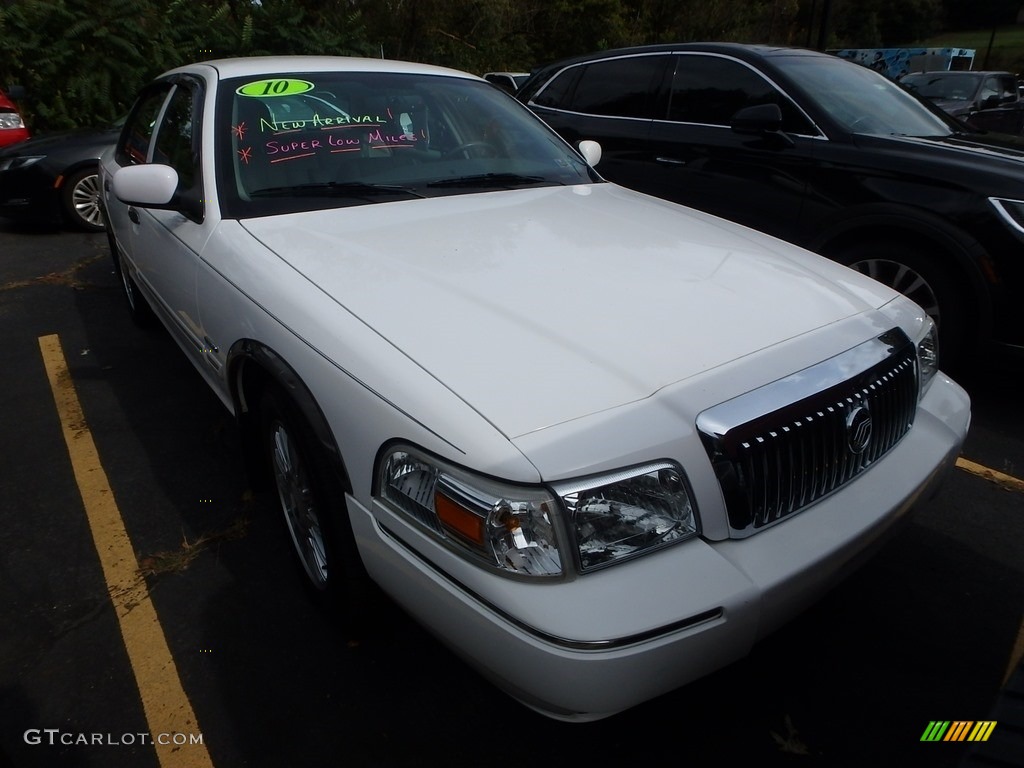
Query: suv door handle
(669, 161)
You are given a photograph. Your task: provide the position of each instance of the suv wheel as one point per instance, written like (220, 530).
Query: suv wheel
(923, 279)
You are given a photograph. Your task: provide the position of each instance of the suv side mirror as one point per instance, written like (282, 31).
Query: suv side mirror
(760, 120)
(763, 118)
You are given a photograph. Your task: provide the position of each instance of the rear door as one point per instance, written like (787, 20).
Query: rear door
(612, 101)
(696, 159)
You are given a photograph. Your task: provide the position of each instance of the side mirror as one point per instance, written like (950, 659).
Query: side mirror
(147, 186)
(761, 120)
(591, 152)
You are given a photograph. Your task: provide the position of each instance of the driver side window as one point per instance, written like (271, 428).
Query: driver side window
(133, 147)
(176, 141)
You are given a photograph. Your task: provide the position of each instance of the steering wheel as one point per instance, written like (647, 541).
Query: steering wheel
(466, 149)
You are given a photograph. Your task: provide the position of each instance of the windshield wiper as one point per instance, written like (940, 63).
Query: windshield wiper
(341, 188)
(492, 180)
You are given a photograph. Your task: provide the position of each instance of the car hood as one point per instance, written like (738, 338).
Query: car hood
(996, 151)
(540, 306)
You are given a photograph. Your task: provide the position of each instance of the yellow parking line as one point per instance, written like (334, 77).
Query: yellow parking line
(1010, 483)
(1000, 478)
(168, 711)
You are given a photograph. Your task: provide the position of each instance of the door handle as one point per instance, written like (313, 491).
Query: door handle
(133, 215)
(669, 161)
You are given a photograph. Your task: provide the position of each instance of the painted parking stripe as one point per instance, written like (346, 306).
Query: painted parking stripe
(1000, 478)
(1010, 483)
(167, 708)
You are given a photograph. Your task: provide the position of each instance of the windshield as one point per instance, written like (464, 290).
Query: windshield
(301, 141)
(950, 86)
(861, 100)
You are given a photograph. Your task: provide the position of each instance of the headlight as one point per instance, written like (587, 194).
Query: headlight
(509, 527)
(628, 513)
(611, 517)
(928, 356)
(19, 161)
(1011, 211)
(10, 120)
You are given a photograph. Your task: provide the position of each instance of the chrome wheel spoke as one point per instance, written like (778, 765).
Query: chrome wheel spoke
(902, 278)
(85, 197)
(298, 502)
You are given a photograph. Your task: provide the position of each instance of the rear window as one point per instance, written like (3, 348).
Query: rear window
(621, 87)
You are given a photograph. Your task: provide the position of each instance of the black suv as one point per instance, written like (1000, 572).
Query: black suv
(818, 151)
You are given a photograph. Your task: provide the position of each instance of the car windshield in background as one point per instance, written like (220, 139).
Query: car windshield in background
(294, 142)
(861, 100)
(952, 86)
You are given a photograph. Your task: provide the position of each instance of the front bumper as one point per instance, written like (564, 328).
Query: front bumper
(29, 194)
(593, 645)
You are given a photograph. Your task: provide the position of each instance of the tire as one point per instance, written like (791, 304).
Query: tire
(311, 500)
(80, 200)
(925, 279)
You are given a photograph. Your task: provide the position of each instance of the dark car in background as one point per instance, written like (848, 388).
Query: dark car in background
(1008, 120)
(54, 179)
(507, 81)
(961, 94)
(818, 151)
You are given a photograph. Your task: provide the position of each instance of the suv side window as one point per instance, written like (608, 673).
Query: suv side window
(711, 89)
(1006, 88)
(623, 87)
(133, 147)
(620, 87)
(556, 92)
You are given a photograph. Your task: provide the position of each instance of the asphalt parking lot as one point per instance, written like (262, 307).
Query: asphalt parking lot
(929, 630)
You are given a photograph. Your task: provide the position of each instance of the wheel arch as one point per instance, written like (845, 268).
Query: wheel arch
(960, 252)
(252, 367)
(74, 168)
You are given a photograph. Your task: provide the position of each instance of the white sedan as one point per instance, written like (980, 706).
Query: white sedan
(598, 443)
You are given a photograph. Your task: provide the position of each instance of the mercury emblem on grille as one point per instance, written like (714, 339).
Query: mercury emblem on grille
(858, 429)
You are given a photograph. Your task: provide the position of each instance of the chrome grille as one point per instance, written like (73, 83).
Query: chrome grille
(783, 446)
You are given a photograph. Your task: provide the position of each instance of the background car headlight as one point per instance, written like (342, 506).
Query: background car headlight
(628, 513)
(21, 161)
(928, 357)
(11, 120)
(1012, 211)
(510, 527)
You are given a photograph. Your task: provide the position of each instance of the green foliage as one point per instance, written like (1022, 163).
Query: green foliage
(82, 61)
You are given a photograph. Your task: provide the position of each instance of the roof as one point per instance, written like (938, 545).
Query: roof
(265, 65)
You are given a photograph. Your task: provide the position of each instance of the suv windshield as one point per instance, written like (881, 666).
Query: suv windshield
(861, 100)
(301, 141)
